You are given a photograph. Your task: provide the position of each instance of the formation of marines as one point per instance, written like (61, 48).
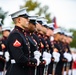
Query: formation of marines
(34, 47)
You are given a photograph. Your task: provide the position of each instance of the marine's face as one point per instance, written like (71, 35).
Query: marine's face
(62, 38)
(57, 36)
(6, 33)
(31, 27)
(24, 22)
(50, 32)
(38, 27)
(44, 29)
(69, 40)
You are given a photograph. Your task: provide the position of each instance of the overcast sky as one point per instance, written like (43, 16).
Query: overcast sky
(64, 10)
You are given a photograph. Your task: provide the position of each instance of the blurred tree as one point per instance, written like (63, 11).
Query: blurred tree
(2, 15)
(37, 9)
(73, 44)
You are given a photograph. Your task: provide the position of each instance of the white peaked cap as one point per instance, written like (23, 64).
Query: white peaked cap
(41, 19)
(65, 33)
(50, 25)
(69, 34)
(57, 30)
(5, 28)
(45, 21)
(19, 12)
(33, 17)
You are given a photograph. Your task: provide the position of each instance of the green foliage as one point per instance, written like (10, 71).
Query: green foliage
(35, 5)
(73, 44)
(31, 5)
(2, 14)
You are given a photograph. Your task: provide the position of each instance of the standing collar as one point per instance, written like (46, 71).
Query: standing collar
(22, 30)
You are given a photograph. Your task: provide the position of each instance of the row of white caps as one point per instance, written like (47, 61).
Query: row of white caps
(66, 33)
(31, 17)
(37, 18)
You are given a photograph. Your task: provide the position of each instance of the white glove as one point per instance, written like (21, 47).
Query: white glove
(65, 55)
(7, 56)
(51, 38)
(69, 57)
(1, 53)
(47, 57)
(56, 56)
(37, 55)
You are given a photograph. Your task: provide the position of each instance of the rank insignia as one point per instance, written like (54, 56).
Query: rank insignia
(16, 44)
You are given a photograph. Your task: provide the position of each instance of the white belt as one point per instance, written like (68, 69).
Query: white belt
(1, 53)
(13, 61)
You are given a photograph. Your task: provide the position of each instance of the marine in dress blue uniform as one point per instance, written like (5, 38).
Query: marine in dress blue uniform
(19, 46)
